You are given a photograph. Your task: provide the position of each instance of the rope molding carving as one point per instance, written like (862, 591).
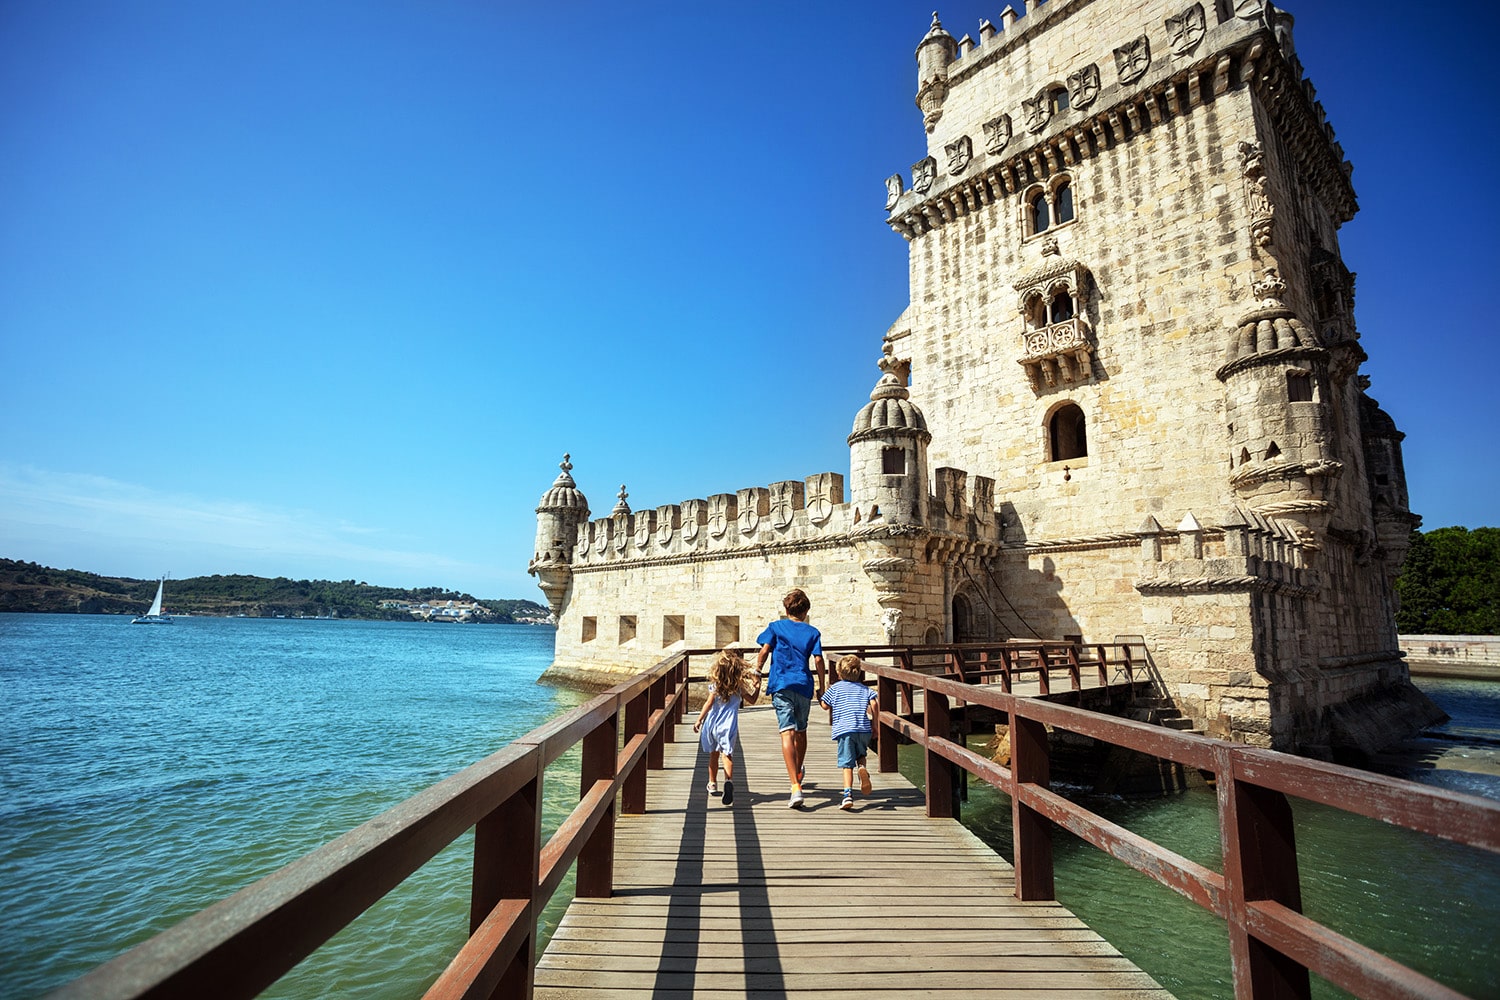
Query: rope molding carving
(1118, 539)
(1219, 584)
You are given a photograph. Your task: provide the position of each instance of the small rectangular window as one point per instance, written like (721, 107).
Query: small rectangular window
(726, 630)
(673, 629)
(893, 461)
(1299, 387)
(590, 629)
(627, 628)
(1381, 479)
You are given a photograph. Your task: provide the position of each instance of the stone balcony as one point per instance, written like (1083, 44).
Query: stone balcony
(1058, 352)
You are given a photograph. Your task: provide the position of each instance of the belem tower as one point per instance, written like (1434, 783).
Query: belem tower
(1125, 398)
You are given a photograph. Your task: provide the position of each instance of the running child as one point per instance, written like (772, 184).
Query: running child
(851, 706)
(730, 682)
(790, 643)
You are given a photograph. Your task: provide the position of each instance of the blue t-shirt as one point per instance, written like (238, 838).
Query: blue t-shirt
(848, 700)
(792, 644)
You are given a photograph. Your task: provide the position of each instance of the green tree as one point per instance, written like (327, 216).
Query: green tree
(1450, 583)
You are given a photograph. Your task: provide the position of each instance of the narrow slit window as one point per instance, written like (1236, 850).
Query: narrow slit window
(1068, 434)
(590, 629)
(1299, 387)
(893, 461)
(627, 628)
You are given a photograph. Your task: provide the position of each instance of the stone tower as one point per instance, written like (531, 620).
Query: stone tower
(1124, 402)
(561, 510)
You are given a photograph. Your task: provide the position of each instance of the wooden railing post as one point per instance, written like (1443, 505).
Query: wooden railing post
(1103, 658)
(1075, 672)
(681, 687)
(1032, 834)
(1260, 863)
(507, 864)
(885, 694)
(1005, 661)
(937, 720)
(656, 752)
(633, 789)
(596, 861)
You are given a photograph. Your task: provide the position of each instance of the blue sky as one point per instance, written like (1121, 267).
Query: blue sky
(326, 289)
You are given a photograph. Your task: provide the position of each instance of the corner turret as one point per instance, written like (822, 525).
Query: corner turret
(888, 453)
(936, 50)
(561, 510)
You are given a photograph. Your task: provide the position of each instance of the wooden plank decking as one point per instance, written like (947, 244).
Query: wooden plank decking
(759, 900)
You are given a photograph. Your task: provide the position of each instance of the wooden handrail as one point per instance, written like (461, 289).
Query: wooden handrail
(241, 945)
(1272, 944)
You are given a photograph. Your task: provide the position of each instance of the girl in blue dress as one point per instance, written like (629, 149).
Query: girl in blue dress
(731, 681)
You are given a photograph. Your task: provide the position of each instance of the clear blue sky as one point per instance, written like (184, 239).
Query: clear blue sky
(325, 289)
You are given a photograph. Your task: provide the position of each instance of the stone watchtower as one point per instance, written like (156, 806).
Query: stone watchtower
(561, 510)
(1124, 402)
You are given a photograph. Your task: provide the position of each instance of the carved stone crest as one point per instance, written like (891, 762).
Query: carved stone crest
(893, 191)
(1083, 86)
(996, 133)
(754, 504)
(694, 516)
(1133, 59)
(960, 152)
(1037, 111)
(786, 500)
(721, 512)
(984, 499)
(666, 524)
(890, 624)
(1186, 30)
(601, 538)
(923, 173)
(824, 492)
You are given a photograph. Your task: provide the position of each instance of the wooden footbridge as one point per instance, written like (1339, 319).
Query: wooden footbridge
(678, 895)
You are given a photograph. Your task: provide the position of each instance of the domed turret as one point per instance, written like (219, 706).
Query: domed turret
(561, 510)
(936, 50)
(888, 453)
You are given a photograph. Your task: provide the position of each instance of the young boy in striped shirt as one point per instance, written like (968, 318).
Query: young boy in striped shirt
(851, 706)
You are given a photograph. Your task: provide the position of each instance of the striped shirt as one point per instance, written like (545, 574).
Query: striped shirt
(848, 701)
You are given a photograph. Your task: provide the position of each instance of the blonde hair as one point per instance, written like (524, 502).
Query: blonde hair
(727, 672)
(849, 668)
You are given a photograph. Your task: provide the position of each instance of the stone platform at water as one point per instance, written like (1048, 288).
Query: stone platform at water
(759, 900)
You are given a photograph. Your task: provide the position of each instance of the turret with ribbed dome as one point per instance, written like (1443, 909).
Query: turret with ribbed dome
(561, 510)
(888, 452)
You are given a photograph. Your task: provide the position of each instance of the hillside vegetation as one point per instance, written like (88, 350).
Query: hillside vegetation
(26, 586)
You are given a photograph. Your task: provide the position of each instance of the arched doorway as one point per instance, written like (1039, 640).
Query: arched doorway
(967, 625)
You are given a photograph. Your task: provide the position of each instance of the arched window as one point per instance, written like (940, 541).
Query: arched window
(1047, 207)
(1062, 202)
(1057, 99)
(1062, 306)
(1040, 216)
(1066, 434)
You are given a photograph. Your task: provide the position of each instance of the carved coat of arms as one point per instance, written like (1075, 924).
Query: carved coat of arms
(619, 530)
(923, 173)
(666, 524)
(1083, 86)
(720, 513)
(984, 499)
(601, 538)
(893, 191)
(1186, 30)
(1037, 112)
(645, 527)
(960, 152)
(1133, 59)
(786, 498)
(996, 133)
(694, 514)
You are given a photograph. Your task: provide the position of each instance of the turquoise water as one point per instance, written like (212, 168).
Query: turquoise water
(1430, 904)
(148, 771)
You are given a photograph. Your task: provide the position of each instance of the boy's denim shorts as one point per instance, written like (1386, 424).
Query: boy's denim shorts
(792, 710)
(852, 748)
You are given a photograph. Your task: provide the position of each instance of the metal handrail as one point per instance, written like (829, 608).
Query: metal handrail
(241, 945)
(1273, 946)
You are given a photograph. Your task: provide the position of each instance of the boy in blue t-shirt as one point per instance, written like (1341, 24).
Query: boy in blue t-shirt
(791, 643)
(850, 707)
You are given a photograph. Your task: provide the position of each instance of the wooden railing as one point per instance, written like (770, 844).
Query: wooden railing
(1007, 662)
(1272, 944)
(241, 945)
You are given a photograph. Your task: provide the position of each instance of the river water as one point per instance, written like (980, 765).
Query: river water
(148, 771)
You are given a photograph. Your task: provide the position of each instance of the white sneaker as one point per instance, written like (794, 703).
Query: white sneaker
(713, 788)
(795, 802)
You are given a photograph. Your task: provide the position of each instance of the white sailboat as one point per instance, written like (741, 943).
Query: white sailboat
(154, 616)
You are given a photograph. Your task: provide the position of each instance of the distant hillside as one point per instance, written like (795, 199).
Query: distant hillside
(26, 586)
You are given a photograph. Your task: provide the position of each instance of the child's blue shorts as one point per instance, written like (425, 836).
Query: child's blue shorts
(792, 709)
(852, 748)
